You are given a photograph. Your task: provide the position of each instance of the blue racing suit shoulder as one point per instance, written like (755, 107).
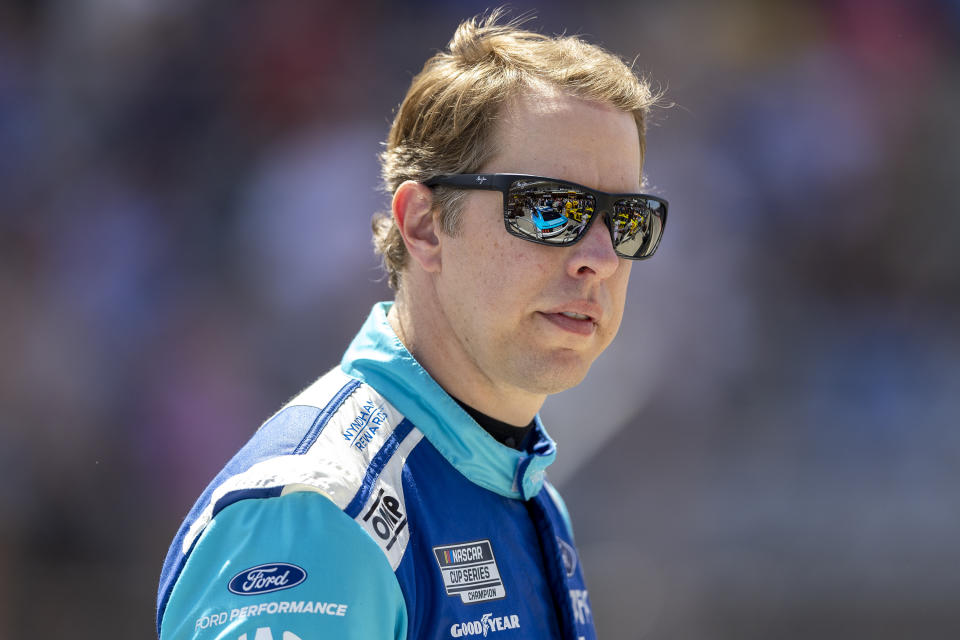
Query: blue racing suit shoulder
(339, 443)
(257, 570)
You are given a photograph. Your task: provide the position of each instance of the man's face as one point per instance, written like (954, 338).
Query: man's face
(515, 308)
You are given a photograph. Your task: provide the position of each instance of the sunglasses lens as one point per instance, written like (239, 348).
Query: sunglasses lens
(557, 213)
(636, 225)
(549, 212)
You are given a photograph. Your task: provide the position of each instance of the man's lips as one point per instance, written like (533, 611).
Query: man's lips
(578, 317)
(577, 310)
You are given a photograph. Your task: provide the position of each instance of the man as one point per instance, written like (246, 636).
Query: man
(402, 495)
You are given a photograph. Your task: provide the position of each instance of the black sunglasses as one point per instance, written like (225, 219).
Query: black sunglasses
(558, 213)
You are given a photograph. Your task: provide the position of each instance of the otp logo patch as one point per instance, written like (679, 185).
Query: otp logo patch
(265, 578)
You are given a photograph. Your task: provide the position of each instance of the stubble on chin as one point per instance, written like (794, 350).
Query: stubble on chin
(548, 373)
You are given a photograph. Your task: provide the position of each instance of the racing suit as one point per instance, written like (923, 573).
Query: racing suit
(372, 507)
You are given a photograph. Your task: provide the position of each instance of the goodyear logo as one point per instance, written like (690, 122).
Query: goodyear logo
(484, 625)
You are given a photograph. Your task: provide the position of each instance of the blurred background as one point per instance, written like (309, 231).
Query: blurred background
(770, 449)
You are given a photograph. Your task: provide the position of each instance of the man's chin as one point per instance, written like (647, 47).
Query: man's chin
(557, 374)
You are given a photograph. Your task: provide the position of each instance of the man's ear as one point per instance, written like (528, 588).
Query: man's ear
(413, 213)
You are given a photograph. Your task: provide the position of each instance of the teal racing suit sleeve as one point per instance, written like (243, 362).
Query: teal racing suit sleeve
(293, 567)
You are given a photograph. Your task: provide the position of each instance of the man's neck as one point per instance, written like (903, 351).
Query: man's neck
(506, 434)
(455, 372)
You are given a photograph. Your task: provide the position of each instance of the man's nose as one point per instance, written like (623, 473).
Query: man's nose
(594, 253)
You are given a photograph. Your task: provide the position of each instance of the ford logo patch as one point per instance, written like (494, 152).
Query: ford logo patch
(265, 578)
(569, 556)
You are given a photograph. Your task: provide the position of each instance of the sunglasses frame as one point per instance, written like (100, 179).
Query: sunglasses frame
(503, 181)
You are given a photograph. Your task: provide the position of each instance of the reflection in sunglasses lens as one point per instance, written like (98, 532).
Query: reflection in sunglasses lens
(557, 213)
(548, 211)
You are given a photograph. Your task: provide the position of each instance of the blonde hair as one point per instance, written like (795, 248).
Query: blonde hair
(445, 122)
